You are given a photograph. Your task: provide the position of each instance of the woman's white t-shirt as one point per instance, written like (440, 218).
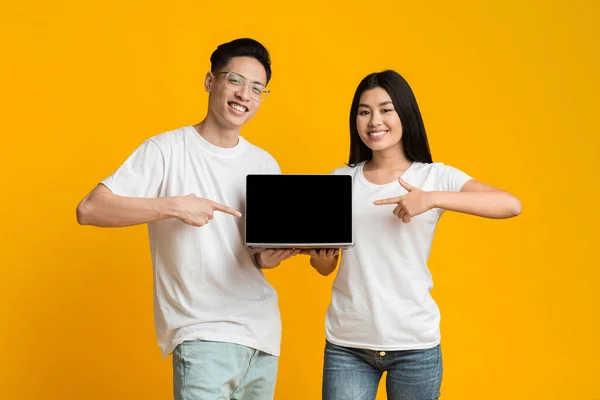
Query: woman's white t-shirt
(381, 295)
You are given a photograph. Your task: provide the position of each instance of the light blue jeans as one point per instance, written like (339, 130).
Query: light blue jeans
(355, 373)
(204, 370)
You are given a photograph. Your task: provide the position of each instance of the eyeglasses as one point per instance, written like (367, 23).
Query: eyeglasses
(236, 82)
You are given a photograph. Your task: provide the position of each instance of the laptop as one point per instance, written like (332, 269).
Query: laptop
(307, 211)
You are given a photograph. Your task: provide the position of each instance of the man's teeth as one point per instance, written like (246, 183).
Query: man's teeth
(377, 133)
(238, 108)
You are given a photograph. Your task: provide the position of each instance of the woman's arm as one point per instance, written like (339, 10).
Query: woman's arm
(475, 198)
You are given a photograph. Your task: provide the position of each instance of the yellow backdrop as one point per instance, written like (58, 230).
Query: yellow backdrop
(509, 93)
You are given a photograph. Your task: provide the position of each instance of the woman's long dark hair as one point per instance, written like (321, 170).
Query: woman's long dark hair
(414, 138)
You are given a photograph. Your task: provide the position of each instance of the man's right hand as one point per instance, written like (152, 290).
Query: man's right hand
(197, 211)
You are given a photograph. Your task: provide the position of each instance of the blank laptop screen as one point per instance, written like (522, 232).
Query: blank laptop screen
(298, 209)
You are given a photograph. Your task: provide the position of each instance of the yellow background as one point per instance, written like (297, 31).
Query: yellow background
(509, 93)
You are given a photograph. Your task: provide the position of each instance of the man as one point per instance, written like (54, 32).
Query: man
(213, 308)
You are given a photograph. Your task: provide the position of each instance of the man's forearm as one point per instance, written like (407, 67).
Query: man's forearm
(261, 263)
(105, 209)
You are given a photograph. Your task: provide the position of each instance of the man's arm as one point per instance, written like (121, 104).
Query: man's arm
(103, 208)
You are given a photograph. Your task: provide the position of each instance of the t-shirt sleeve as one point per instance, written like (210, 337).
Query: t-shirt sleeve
(141, 175)
(337, 171)
(273, 167)
(452, 179)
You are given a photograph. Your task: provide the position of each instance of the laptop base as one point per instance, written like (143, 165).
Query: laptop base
(342, 246)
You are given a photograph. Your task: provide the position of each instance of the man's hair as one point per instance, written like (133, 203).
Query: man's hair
(244, 47)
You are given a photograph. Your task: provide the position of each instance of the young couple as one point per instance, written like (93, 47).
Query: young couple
(213, 308)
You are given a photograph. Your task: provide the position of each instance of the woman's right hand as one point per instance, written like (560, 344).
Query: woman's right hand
(323, 254)
(323, 260)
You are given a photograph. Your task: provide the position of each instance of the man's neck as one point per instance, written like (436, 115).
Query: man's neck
(217, 135)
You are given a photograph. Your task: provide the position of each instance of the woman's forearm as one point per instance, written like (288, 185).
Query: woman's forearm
(488, 204)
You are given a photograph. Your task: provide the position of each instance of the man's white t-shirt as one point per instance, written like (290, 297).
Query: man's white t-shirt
(381, 295)
(206, 285)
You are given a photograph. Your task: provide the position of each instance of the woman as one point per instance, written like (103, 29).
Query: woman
(382, 316)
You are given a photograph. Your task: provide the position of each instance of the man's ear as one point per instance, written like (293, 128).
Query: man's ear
(209, 81)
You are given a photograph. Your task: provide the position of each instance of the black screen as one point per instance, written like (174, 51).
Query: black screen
(302, 209)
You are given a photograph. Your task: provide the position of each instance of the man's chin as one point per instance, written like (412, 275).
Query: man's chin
(233, 121)
(238, 121)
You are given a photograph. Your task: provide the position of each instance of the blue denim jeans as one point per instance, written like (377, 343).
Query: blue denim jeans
(204, 370)
(355, 373)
